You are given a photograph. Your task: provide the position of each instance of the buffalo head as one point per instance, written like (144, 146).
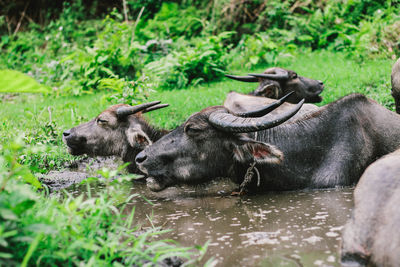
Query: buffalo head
(120, 131)
(209, 144)
(276, 82)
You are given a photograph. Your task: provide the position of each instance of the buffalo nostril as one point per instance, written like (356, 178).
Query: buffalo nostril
(140, 157)
(66, 133)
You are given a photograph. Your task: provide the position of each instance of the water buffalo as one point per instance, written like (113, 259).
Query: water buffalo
(371, 237)
(277, 82)
(107, 134)
(328, 147)
(396, 84)
(120, 131)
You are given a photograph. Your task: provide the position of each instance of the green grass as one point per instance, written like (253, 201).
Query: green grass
(28, 115)
(340, 74)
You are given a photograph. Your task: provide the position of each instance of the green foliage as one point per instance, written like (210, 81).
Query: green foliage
(131, 93)
(22, 51)
(353, 26)
(12, 81)
(113, 54)
(150, 7)
(172, 22)
(203, 61)
(177, 44)
(377, 37)
(73, 57)
(258, 49)
(97, 230)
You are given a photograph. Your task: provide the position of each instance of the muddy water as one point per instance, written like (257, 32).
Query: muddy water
(274, 229)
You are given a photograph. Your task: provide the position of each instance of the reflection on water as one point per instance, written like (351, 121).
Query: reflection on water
(274, 229)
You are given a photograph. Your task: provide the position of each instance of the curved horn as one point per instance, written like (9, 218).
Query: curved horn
(265, 110)
(249, 79)
(279, 75)
(125, 111)
(155, 107)
(233, 124)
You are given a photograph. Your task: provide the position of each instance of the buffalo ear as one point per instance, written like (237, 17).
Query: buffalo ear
(248, 151)
(137, 138)
(271, 90)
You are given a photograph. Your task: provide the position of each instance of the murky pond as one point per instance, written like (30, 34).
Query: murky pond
(273, 229)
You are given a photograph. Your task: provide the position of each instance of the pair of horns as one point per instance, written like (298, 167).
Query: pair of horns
(279, 75)
(252, 121)
(146, 107)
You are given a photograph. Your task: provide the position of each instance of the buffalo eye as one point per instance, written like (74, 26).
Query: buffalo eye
(294, 76)
(192, 131)
(101, 121)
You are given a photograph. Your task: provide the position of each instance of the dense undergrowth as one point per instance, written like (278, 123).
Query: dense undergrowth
(97, 230)
(86, 55)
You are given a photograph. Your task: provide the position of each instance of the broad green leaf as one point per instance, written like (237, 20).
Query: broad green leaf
(254, 60)
(5, 255)
(41, 228)
(30, 178)
(305, 38)
(8, 214)
(12, 81)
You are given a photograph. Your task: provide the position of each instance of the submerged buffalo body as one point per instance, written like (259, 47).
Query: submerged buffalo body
(277, 82)
(119, 131)
(371, 237)
(331, 146)
(395, 77)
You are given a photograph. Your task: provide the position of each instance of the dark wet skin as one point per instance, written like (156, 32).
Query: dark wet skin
(299, 228)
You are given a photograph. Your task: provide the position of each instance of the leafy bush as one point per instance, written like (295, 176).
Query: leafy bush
(73, 57)
(21, 52)
(378, 36)
(203, 61)
(74, 231)
(113, 54)
(172, 22)
(258, 49)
